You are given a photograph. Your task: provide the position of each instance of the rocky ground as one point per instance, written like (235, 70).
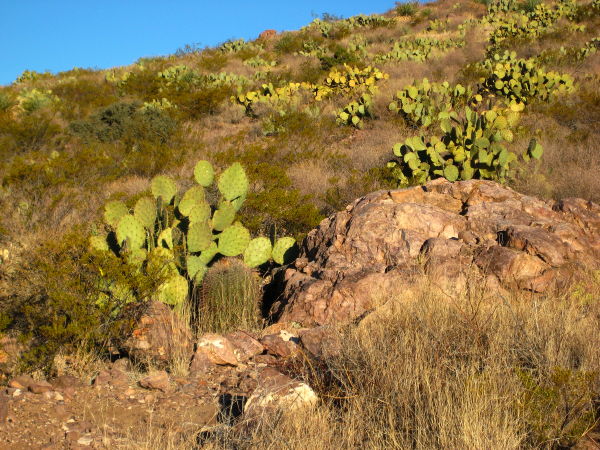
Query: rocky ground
(446, 231)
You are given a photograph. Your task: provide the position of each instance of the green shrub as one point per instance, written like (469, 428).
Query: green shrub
(406, 8)
(558, 407)
(276, 203)
(229, 298)
(58, 308)
(127, 122)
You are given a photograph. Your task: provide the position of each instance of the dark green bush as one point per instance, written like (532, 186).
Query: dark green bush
(66, 304)
(127, 122)
(272, 201)
(406, 9)
(341, 55)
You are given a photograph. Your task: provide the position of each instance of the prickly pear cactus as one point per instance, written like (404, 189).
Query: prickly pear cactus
(178, 237)
(473, 148)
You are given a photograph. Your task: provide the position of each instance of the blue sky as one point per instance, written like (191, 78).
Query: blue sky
(58, 35)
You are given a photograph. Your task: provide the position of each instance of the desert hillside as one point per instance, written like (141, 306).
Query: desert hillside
(190, 183)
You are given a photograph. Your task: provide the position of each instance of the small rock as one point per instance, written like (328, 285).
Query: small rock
(39, 387)
(17, 393)
(21, 382)
(321, 342)
(269, 360)
(158, 380)
(276, 391)
(218, 349)
(245, 346)
(278, 345)
(66, 381)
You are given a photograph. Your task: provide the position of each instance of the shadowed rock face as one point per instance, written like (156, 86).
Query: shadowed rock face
(454, 232)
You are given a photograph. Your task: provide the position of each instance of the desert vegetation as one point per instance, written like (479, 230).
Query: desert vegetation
(192, 179)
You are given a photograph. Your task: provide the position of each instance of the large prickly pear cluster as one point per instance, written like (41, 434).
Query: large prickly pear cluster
(179, 237)
(423, 103)
(419, 49)
(471, 148)
(178, 76)
(271, 95)
(30, 100)
(352, 78)
(234, 46)
(354, 113)
(520, 80)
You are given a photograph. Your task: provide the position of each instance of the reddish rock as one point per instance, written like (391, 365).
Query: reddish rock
(114, 377)
(158, 380)
(66, 381)
(470, 230)
(218, 349)
(267, 34)
(321, 342)
(281, 344)
(244, 345)
(21, 382)
(39, 387)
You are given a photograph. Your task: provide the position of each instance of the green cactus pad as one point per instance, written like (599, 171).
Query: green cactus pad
(99, 243)
(113, 211)
(200, 213)
(451, 173)
(199, 237)
(224, 216)
(238, 202)
(174, 291)
(234, 240)
(165, 238)
(285, 250)
(192, 198)
(258, 252)
(195, 268)
(163, 187)
(204, 173)
(130, 228)
(233, 182)
(207, 255)
(145, 212)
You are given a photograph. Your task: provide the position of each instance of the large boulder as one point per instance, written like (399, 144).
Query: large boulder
(458, 234)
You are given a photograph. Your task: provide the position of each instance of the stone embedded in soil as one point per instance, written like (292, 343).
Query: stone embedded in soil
(464, 233)
(218, 349)
(21, 382)
(39, 387)
(282, 344)
(245, 346)
(158, 380)
(276, 391)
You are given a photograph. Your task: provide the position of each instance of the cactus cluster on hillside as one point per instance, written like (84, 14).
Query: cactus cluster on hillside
(469, 148)
(178, 237)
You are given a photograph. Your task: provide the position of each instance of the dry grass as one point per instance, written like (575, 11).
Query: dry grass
(433, 372)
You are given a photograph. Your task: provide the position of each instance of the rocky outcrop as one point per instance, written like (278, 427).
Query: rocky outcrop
(456, 233)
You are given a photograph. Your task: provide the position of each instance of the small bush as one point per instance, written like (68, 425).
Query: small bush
(127, 122)
(65, 303)
(213, 60)
(406, 9)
